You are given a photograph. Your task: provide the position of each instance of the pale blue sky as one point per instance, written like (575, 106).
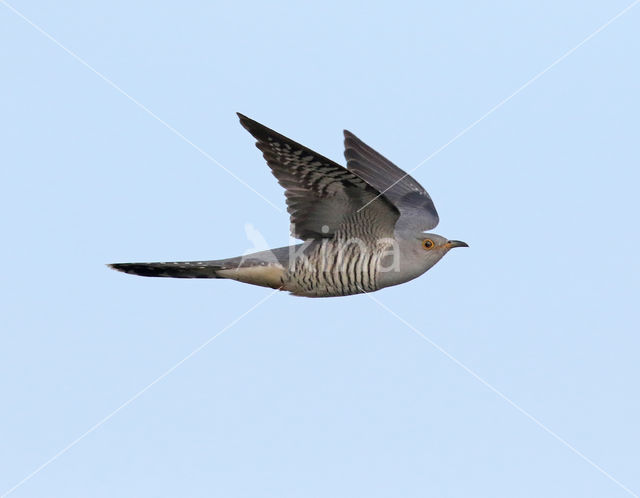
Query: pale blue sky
(335, 397)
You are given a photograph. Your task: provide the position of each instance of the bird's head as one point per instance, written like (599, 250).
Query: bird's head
(429, 248)
(432, 246)
(414, 255)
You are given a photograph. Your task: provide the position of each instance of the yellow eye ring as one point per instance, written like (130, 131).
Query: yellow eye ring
(428, 244)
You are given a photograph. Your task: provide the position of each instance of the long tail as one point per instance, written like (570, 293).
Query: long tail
(178, 269)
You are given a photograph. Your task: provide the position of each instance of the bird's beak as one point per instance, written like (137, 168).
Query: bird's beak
(455, 243)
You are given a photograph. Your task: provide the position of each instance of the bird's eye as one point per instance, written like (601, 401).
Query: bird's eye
(428, 244)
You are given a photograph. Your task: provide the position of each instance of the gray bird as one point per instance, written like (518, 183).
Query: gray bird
(363, 226)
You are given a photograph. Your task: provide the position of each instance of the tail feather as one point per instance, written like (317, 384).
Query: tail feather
(179, 269)
(264, 268)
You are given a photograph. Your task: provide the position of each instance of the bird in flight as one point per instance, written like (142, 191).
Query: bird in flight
(363, 226)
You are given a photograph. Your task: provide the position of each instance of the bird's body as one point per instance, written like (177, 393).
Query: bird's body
(333, 267)
(363, 225)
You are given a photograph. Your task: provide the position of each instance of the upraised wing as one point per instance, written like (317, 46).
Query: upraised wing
(417, 211)
(322, 197)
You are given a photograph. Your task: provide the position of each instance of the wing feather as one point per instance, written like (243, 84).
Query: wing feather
(417, 211)
(322, 196)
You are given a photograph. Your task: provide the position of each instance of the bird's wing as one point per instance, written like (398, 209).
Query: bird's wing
(417, 211)
(322, 196)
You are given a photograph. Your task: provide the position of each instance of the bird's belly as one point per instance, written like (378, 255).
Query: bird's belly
(333, 273)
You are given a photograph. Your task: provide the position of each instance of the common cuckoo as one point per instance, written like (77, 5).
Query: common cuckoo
(363, 226)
